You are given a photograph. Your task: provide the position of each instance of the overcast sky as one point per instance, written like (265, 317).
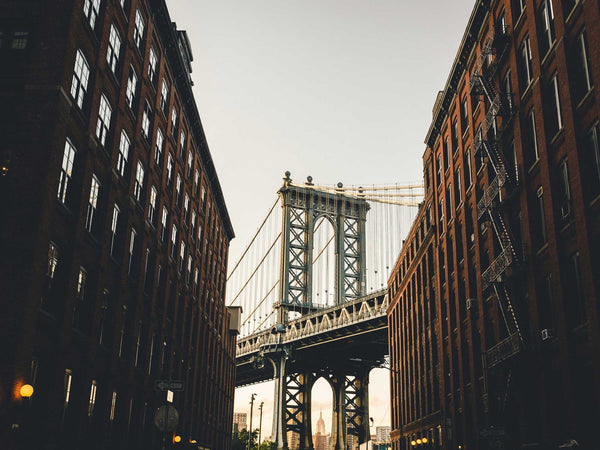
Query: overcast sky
(338, 89)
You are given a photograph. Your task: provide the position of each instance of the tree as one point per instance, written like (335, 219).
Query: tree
(268, 445)
(240, 442)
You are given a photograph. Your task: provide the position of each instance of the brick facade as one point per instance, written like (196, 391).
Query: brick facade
(101, 297)
(512, 169)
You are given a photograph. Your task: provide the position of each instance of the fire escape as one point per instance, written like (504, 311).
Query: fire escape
(489, 141)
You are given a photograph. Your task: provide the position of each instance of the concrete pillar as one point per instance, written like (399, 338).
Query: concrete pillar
(278, 431)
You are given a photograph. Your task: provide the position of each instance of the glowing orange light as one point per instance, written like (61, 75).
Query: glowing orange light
(424, 440)
(177, 438)
(26, 390)
(419, 441)
(413, 443)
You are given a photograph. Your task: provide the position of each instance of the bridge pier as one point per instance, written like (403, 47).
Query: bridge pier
(338, 426)
(278, 357)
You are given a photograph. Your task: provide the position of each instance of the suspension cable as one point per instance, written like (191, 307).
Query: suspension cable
(260, 303)
(256, 269)
(253, 239)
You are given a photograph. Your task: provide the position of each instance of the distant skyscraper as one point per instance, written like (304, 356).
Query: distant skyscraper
(321, 424)
(241, 420)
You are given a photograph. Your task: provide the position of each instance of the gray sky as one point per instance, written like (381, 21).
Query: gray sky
(338, 89)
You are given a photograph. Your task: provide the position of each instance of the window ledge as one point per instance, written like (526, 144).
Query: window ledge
(527, 92)
(549, 55)
(583, 102)
(535, 166)
(520, 20)
(574, 13)
(543, 249)
(558, 137)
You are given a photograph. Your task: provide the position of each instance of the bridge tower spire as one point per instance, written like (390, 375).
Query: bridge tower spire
(302, 206)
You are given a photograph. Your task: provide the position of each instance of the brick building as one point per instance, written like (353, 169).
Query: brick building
(114, 232)
(494, 314)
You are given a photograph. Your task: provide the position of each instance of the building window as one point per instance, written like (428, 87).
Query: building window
(92, 402)
(174, 124)
(449, 202)
(468, 176)
(113, 228)
(178, 191)
(131, 87)
(163, 221)
(81, 76)
(113, 405)
(52, 259)
(114, 47)
(152, 65)
(507, 93)
(146, 118)
(131, 250)
(546, 27)
(446, 154)
(139, 182)
(81, 282)
(197, 182)
(591, 163)
(90, 10)
(555, 123)
(203, 196)
(123, 153)
(530, 147)
(173, 241)
(464, 114)
(181, 255)
(169, 171)
(439, 170)
(186, 207)
(67, 386)
(181, 142)
(189, 269)
(159, 147)
(138, 342)
(539, 230)
(193, 223)
(92, 203)
(564, 190)
(458, 187)
(138, 32)
(582, 82)
(190, 164)
(441, 214)
(164, 96)
(66, 171)
(152, 206)
(104, 114)
(525, 64)
(455, 135)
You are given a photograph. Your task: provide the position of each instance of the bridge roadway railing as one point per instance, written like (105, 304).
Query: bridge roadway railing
(349, 313)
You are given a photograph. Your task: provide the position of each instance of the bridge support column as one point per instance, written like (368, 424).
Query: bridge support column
(338, 426)
(357, 404)
(279, 359)
(298, 412)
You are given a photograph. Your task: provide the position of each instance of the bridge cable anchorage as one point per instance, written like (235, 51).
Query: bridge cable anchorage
(260, 303)
(256, 269)
(253, 239)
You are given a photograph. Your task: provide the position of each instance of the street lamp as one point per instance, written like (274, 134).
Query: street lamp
(26, 391)
(250, 431)
(260, 422)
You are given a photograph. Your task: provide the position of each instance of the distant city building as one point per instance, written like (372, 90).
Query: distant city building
(494, 331)
(321, 439)
(114, 232)
(293, 440)
(382, 434)
(240, 419)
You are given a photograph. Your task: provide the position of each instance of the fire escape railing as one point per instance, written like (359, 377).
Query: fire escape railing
(489, 140)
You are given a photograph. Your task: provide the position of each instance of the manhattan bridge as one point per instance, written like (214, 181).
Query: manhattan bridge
(312, 285)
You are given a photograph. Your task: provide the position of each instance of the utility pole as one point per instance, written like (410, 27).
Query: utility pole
(260, 423)
(250, 431)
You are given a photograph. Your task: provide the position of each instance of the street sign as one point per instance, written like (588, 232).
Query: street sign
(166, 418)
(491, 432)
(168, 385)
